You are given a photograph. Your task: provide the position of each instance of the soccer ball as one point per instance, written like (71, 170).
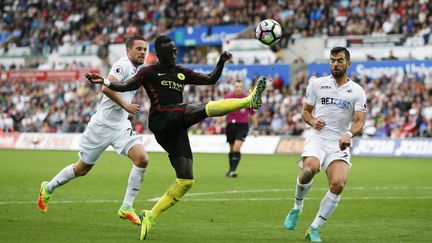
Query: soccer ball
(268, 31)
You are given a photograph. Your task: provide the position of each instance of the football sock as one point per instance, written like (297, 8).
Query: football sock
(136, 177)
(172, 196)
(236, 160)
(225, 106)
(230, 155)
(327, 207)
(300, 193)
(63, 177)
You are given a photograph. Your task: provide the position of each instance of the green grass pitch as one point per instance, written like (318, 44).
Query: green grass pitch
(386, 200)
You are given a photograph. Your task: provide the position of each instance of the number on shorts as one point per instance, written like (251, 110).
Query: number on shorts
(130, 131)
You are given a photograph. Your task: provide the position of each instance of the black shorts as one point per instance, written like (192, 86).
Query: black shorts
(170, 131)
(236, 131)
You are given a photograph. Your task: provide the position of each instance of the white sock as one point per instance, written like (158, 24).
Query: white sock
(63, 177)
(136, 177)
(300, 194)
(327, 207)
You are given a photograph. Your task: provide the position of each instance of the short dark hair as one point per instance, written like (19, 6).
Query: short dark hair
(131, 40)
(162, 39)
(338, 49)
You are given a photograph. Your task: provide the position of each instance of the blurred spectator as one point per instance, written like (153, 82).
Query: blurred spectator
(396, 107)
(44, 25)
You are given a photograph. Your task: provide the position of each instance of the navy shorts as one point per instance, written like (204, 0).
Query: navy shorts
(236, 131)
(170, 131)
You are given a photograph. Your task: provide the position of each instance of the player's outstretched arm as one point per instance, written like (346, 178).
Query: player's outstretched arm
(217, 72)
(114, 96)
(130, 84)
(211, 78)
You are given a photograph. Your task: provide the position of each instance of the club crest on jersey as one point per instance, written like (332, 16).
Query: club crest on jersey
(344, 104)
(118, 70)
(181, 76)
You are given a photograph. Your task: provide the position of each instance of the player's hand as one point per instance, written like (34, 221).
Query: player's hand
(133, 108)
(345, 141)
(225, 56)
(255, 132)
(318, 124)
(94, 78)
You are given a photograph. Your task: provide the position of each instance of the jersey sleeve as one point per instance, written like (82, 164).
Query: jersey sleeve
(360, 103)
(193, 77)
(143, 75)
(310, 96)
(119, 71)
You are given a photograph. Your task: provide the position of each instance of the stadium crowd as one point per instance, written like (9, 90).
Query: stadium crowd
(396, 107)
(44, 25)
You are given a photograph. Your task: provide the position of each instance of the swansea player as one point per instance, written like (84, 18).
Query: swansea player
(331, 104)
(170, 118)
(238, 128)
(110, 126)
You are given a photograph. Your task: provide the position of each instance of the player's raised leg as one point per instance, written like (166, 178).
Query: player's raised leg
(64, 176)
(140, 160)
(225, 106)
(303, 184)
(337, 174)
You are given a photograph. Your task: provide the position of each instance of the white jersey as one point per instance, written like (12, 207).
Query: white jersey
(335, 105)
(109, 112)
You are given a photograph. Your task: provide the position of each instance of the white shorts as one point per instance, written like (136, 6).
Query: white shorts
(99, 136)
(326, 151)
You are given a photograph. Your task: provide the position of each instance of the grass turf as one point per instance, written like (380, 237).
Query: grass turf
(386, 200)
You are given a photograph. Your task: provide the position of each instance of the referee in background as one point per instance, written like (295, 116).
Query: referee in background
(238, 128)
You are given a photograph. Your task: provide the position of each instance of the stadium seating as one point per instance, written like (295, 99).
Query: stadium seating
(395, 110)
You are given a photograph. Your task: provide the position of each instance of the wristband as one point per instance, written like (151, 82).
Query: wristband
(106, 82)
(349, 133)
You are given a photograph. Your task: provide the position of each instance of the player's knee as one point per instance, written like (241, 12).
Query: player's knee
(186, 183)
(307, 175)
(81, 172)
(337, 187)
(141, 160)
(81, 169)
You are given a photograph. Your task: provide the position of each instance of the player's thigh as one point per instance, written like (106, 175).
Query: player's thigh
(313, 155)
(194, 113)
(176, 143)
(93, 142)
(333, 153)
(138, 155)
(125, 138)
(237, 145)
(337, 172)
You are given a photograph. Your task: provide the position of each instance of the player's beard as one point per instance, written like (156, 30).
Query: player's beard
(339, 73)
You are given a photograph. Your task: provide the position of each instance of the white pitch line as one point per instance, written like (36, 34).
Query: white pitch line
(218, 200)
(289, 198)
(359, 188)
(251, 198)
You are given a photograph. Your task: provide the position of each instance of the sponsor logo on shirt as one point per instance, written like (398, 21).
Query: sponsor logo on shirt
(172, 85)
(181, 76)
(344, 104)
(325, 87)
